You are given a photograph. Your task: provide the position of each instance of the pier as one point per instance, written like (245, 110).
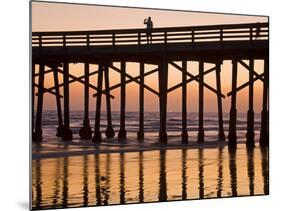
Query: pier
(241, 44)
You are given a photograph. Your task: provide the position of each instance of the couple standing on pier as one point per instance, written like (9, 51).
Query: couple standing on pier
(149, 26)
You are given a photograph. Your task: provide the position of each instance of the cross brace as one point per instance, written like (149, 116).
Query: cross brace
(128, 81)
(135, 80)
(196, 79)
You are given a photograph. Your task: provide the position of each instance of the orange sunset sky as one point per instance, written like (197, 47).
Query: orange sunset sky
(67, 17)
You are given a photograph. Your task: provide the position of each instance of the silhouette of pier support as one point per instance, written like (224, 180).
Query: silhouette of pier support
(141, 103)
(122, 132)
(232, 143)
(58, 102)
(86, 131)
(97, 133)
(109, 130)
(250, 115)
(184, 134)
(264, 136)
(163, 82)
(201, 102)
(37, 135)
(221, 134)
(67, 133)
(32, 95)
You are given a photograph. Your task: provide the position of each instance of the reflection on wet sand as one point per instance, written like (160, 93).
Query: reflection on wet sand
(57, 184)
(38, 187)
(85, 181)
(162, 177)
(233, 171)
(120, 178)
(220, 173)
(184, 175)
(141, 190)
(265, 170)
(251, 170)
(65, 183)
(201, 174)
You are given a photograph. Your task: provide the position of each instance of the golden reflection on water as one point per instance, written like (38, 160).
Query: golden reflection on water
(133, 177)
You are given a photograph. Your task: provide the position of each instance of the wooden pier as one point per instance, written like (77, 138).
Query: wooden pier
(213, 44)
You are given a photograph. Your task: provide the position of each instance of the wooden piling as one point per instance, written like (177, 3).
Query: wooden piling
(163, 81)
(97, 133)
(122, 132)
(109, 130)
(250, 115)
(58, 102)
(86, 131)
(141, 103)
(184, 134)
(221, 134)
(232, 143)
(67, 133)
(32, 95)
(264, 136)
(201, 102)
(37, 135)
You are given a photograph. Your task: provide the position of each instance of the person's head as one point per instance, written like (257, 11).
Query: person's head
(149, 18)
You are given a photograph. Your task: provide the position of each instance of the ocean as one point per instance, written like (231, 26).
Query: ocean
(151, 124)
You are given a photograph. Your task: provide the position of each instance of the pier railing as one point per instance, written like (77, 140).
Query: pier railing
(190, 35)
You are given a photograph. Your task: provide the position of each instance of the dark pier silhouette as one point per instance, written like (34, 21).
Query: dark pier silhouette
(212, 44)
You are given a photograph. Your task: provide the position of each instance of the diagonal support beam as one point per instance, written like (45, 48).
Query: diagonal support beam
(45, 72)
(73, 80)
(129, 81)
(244, 85)
(81, 81)
(135, 80)
(46, 90)
(196, 79)
(250, 69)
(190, 80)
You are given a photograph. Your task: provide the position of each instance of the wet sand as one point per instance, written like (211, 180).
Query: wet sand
(149, 175)
(78, 147)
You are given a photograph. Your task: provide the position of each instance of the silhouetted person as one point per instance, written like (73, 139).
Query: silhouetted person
(149, 26)
(258, 30)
